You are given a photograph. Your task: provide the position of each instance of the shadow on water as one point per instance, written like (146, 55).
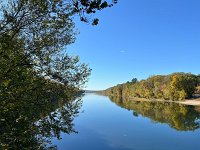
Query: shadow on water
(33, 121)
(178, 116)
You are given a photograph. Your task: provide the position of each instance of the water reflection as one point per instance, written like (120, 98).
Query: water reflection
(31, 124)
(177, 116)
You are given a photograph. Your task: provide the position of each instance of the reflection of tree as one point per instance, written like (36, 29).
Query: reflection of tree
(177, 116)
(31, 124)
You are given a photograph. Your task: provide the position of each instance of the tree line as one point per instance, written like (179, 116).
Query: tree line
(175, 86)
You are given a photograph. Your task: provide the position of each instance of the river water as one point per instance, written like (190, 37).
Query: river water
(117, 124)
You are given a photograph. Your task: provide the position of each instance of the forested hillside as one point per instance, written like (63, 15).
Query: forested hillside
(176, 86)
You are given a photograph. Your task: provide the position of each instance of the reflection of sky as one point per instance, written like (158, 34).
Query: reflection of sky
(105, 126)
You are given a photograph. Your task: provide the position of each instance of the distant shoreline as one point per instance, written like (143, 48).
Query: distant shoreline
(194, 102)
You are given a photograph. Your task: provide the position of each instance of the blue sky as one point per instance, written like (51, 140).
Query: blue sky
(140, 38)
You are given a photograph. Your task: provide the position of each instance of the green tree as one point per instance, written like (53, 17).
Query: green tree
(33, 39)
(134, 80)
(35, 70)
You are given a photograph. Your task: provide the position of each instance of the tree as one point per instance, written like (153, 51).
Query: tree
(40, 31)
(35, 70)
(176, 86)
(134, 80)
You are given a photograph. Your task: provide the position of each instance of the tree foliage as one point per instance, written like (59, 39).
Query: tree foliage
(176, 86)
(36, 72)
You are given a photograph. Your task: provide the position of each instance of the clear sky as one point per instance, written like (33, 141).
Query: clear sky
(140, 38)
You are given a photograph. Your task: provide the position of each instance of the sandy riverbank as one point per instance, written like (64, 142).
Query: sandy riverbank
(191, 102)
(195, 102)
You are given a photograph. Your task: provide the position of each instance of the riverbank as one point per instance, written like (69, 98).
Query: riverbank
(194, 102)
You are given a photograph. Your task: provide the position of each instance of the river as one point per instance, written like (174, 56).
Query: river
(116, 124)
